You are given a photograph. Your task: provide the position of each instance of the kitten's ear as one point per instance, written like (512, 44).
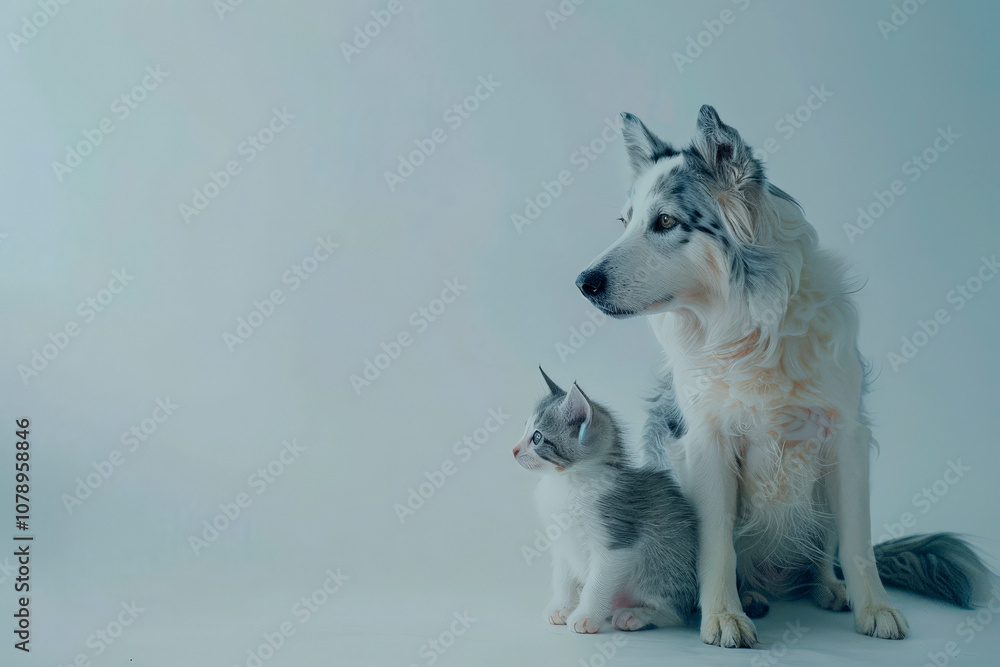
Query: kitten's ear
(553, 387)
(577, 410)
(643, 147)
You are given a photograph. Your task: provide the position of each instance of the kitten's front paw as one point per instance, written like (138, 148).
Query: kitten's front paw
(585, 623)
(728, 629)
(881, 620)
(557, 615)
(631, 619)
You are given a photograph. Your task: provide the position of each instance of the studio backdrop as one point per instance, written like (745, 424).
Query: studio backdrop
(277, 278)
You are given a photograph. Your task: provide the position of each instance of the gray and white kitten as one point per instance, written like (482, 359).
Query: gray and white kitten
(628, 549)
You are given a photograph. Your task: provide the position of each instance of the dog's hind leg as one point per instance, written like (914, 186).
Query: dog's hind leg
(848, 490)
(829, 592)
(755, 605)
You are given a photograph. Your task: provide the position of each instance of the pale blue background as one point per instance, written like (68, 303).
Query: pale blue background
(324, 175)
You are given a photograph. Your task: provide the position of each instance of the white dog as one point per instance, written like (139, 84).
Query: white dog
(762, 408)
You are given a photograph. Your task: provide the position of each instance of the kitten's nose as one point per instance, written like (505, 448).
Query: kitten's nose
(591, 282)
(517, 451)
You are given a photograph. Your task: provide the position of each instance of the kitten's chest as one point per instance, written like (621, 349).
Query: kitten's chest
(566, 510)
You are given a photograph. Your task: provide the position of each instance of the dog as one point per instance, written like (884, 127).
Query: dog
(761, 411)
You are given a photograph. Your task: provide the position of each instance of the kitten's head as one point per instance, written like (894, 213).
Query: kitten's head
(565, 429)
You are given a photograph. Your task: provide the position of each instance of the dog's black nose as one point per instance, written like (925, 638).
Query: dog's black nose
(591, 282)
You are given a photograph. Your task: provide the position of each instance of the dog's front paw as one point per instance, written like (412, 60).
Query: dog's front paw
(557, 615)
(728, 629)
(832, 596)
(878, 619)
(584, 622)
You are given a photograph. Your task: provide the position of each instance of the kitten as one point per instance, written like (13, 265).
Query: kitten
(629, 551)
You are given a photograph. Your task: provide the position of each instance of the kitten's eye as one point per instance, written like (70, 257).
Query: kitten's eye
(664, 222)
(536, 437)
(623, 221)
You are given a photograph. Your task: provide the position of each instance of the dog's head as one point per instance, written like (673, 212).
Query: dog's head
(701, 227)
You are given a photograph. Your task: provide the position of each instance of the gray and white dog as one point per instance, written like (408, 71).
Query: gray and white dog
(761, 414)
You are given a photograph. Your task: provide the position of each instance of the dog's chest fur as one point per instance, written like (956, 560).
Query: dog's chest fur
(772, 422)
(771, 434)
(776, 449)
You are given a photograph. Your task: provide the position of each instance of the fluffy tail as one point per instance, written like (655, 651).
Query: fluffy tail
(940, 565)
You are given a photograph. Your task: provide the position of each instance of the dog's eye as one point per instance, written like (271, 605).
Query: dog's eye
(664, 222)
(536, 437)
(623, 221)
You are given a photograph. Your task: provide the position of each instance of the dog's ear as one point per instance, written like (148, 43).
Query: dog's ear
(553, 387)
(736, 171)
(740, 189)
(644, 148)
(720, 145)
(577, 411)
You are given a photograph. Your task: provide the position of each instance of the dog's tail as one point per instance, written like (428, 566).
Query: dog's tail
(938, 565)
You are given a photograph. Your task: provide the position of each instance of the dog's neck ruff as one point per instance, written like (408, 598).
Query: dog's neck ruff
(767, 343)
